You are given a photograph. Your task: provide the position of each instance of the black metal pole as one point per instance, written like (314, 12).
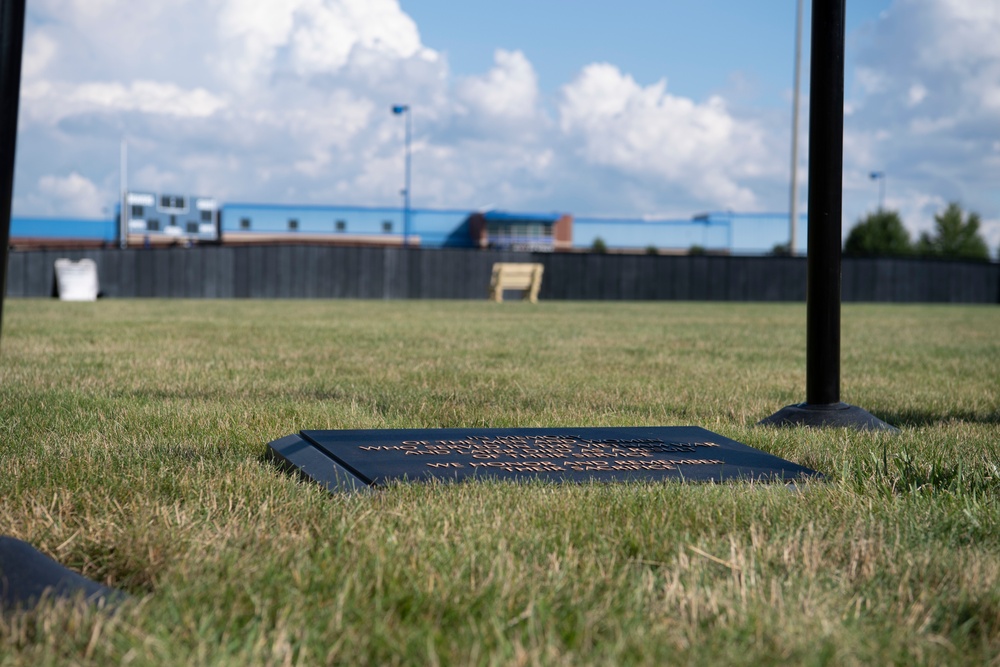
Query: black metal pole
(11, 42)
(826, 165)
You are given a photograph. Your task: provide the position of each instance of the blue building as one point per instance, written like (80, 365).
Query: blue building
(29, 232)
(374, 225)
(156, 219)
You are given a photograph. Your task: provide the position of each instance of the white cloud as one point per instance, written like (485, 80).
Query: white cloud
(73, 195)
(963, 32)
(509, 90)
(50, 102)
(269, 38)
(926, 110)
(870, 80)
(917, 94)
(652, 134)
(991, 233)
(288, 100)
(250, 35)
(39, 51)
(327, 32)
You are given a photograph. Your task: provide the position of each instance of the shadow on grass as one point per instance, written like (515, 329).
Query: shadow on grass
(928, 418)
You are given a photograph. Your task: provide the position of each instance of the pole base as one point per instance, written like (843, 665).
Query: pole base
(831, 415)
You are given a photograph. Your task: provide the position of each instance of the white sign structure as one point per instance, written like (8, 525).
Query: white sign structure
(76, 281)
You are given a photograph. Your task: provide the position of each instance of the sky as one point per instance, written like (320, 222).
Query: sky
(638, 108)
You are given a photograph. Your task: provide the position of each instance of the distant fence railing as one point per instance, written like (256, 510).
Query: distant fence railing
(325, 272)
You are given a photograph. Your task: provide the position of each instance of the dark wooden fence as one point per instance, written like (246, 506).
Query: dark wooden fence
(326, 272)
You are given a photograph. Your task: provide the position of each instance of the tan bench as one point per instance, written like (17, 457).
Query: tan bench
(516, 276)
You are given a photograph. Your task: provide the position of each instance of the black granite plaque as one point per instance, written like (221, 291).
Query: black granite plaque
(352, 460)
(27, 576)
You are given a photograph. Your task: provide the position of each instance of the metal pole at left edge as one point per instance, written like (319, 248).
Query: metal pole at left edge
(11, 42)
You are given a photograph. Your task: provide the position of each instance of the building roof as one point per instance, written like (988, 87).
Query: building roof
(503, 217)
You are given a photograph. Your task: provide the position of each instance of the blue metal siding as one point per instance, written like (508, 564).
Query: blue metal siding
(63, 228)
(435, 228)
(442, 229)
(311, 219)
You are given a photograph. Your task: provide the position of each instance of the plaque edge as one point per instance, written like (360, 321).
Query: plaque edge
(300, 455)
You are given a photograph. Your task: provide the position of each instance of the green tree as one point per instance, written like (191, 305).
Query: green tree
(879, 233)
(954, 236)
(599, 246)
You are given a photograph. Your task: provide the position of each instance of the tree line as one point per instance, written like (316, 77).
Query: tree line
(955, 236)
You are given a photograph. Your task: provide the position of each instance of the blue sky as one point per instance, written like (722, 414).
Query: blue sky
(701, 47)
(655, 109)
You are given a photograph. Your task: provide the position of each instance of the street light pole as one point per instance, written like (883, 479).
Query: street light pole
(880, 177)
(126, 214)
(793, 217)
(398, 110)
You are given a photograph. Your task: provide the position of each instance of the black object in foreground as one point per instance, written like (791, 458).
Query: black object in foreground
(11, 48)
(354, 460)
(826, 159)
(27, 575)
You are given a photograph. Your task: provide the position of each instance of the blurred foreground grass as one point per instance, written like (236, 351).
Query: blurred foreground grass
(133, 438)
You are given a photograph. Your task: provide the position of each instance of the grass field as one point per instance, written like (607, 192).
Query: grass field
(133, 450)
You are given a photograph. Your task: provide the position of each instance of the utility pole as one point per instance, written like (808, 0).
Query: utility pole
(125, 214)
(793, 217)
(405, 109)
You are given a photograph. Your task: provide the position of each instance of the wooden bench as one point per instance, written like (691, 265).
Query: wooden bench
(517, 276)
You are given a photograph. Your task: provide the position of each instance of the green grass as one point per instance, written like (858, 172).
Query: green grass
(133, 450)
